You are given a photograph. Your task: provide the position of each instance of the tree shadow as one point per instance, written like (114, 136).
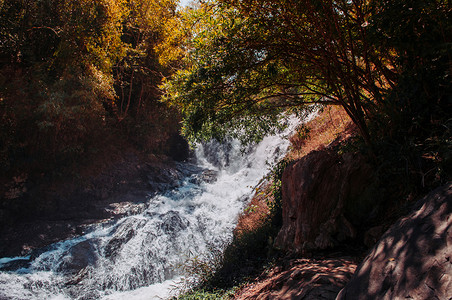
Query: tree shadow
(413, 259)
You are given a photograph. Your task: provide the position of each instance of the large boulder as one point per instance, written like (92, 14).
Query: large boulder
(324, 197)
(78, 257)
(413, 259)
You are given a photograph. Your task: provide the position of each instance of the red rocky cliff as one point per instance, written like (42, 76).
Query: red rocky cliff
(325, 196)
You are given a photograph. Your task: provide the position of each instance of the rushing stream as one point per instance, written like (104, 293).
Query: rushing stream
(138, 256)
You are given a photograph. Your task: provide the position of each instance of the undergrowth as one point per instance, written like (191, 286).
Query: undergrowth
(208, 295)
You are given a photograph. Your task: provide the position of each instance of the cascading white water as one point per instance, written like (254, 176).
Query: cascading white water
(138, 256)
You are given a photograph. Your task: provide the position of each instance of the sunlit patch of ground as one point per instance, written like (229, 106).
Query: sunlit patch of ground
(329, 128)
(306, 278)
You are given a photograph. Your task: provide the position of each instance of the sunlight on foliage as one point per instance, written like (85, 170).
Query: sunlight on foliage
(79, 69)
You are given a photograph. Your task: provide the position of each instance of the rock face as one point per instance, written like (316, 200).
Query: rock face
(413, 259)
(321, 193)
(78, 257)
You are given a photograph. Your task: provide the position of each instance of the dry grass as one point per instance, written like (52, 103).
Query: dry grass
(330, 127)
(256, 213)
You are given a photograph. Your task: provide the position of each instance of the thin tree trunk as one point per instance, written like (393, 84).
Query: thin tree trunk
(130, 95)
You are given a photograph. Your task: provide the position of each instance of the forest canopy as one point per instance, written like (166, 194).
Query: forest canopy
(246, 61)
(75, 73)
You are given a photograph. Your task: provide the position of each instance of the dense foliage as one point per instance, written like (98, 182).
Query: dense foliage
(76, 73)
(73, 73)
(412, 127)
(248, 60)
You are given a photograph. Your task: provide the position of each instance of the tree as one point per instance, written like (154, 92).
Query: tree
(144, 120)
(417, 37)
(71, 70)
(57, 58)
(254, 58)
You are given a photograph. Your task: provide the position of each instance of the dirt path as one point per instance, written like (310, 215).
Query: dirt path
(306, 278)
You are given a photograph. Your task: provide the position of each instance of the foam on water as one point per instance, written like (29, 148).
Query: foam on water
(139, 256)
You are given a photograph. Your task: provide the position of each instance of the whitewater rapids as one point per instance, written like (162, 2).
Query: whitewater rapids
(138, 257)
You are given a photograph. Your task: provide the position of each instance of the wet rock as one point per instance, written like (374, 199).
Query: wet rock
(77, 278)
(37, 252)
(207, 176)
(216, 153)
(173, 223)
(321, 194)
(121, 235)
(76, 291)
(115, 244)
(125, 208)
(15, 265)
(413, 259)
(164, 179)
(79, 257)
(39, 216)
(179, 149)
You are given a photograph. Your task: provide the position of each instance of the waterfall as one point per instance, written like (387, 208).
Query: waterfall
(138, 256)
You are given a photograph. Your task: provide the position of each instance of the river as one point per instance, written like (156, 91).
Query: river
(139, 256)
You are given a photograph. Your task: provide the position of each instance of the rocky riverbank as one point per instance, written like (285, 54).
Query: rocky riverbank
(411, 261)
(37, 212)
